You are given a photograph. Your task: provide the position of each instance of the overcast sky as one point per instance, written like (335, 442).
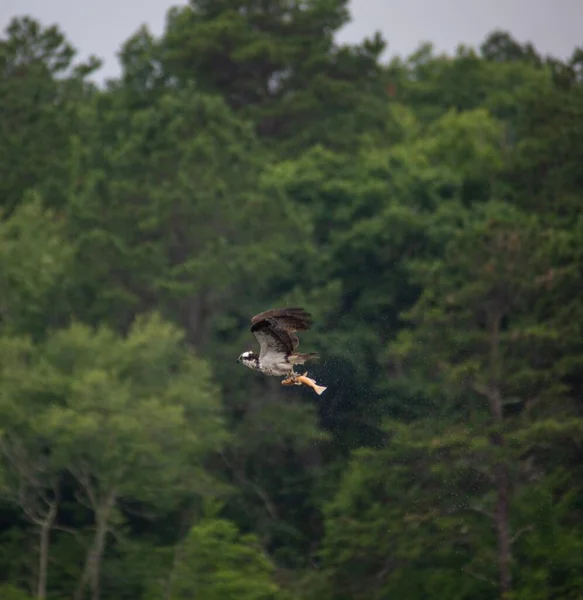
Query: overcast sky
(553, 26)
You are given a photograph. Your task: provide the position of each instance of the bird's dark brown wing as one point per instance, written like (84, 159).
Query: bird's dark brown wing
(272, 340)
(274, 329)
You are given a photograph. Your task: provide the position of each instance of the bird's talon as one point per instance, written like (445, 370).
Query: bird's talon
(291, 380)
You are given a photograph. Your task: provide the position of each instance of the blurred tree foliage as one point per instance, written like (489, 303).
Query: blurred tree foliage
(426, 211)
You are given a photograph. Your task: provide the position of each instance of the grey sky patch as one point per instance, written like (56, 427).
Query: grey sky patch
(554, 27)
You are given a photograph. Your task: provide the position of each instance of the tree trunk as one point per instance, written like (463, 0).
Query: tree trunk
(503, 530)
(186, 520)
(501, 475)
(196, 313)
(45, 539)
(92, 570)
(169, 588)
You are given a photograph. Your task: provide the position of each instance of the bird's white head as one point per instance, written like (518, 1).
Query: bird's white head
(249, 359)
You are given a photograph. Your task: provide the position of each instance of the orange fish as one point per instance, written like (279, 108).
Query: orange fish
(303, 379)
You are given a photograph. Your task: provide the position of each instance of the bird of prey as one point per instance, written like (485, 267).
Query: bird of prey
(275, 330)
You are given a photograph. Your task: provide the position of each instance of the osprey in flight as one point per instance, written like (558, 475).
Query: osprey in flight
(275, 331)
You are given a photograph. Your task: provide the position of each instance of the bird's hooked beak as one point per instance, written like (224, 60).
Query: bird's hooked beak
(239, 359)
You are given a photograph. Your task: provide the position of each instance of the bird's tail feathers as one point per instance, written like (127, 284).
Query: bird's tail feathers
(299, 359)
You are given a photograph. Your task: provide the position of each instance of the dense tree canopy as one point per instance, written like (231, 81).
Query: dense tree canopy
(427, 212)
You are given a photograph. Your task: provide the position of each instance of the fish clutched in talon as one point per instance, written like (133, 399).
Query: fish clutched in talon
(305, 380)
(275, 331)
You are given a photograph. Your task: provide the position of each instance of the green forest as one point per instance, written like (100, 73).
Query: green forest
(426, 210)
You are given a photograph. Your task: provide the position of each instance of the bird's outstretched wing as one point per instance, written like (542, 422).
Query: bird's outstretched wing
(274, 329)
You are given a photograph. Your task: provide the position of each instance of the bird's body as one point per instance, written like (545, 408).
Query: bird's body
(275, 366)
(275, 331)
